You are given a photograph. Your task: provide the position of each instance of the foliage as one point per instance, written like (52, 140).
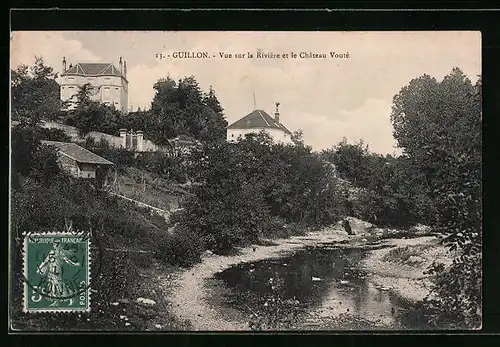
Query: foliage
(92, 115)
(350, 160)
(162, 164)
(35, 94)
(54, 135)
(182, 109)
(298, 137)
(456, 300)
(392, 191)
(183, 248)
(248, 188)
(438, 125)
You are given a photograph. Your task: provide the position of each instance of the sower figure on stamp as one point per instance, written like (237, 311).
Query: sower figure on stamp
(51, 268)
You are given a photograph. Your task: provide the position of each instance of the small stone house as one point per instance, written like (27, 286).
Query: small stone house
(80, 162)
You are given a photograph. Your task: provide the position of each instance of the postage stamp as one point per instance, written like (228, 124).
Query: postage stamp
(56, 272)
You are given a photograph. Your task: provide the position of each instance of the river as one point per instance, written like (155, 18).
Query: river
(327, 286)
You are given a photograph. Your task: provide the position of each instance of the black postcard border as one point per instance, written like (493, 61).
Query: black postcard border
(311, 20)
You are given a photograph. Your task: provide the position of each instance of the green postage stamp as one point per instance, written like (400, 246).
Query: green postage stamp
(56, 272)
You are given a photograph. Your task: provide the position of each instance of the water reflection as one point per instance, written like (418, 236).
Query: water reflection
(326, 281)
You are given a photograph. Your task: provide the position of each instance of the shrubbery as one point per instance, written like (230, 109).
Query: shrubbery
(45, 199)
(162, 164)
(183, 248)
(247, 189)
(390, 192)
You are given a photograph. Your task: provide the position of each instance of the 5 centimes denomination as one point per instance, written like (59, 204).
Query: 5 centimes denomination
(56, 272)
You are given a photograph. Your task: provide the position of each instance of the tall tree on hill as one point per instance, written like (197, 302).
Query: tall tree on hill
(215, 123)
(35, 94)
(438, 125)
(182, 109)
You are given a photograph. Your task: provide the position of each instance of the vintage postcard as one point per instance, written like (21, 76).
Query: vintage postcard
(245, 181)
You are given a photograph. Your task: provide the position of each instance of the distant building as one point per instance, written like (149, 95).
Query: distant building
(259, 120)
(80, 162)
(108, 84)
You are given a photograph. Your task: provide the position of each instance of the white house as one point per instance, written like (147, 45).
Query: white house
(108, 84)
(255, 122)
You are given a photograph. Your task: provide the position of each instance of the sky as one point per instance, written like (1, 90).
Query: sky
(327, 98)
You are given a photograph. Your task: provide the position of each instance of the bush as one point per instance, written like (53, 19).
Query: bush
(116, 280)
(253, 188)
(455, 299)
(54, 135)
(383, 211)
(183, 248)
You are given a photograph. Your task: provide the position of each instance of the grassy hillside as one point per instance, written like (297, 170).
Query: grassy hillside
(146, 187)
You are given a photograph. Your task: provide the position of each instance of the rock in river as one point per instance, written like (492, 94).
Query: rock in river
(146, 301)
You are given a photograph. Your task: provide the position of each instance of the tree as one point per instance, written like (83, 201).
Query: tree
(298, 137)
(393, 191)
(350, 161)
(35, 94)
(182, 109)
(215, 123)
(91, 115)
(438, 125)
(253, 187)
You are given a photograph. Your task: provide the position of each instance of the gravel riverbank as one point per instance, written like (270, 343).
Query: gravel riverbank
(404, 274)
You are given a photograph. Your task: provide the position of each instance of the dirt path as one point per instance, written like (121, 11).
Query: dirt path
(189, 299)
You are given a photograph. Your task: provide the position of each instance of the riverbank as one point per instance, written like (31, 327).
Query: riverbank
(190, 299)
(401, 267)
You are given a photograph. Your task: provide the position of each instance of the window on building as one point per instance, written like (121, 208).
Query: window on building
(116, 88)
(106, 78)
(106, 92)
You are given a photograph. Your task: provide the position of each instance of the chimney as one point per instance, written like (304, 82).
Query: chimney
(121, 66)
(277, 113)
(64, 65)
(124, 69)
(140, 140)
(123, 135)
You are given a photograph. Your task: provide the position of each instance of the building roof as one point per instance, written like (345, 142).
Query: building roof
(77, 153)
(94, 69)
(258, 119)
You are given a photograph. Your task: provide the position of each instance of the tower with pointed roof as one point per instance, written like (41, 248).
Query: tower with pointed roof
(257, 121)
(107, 83)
